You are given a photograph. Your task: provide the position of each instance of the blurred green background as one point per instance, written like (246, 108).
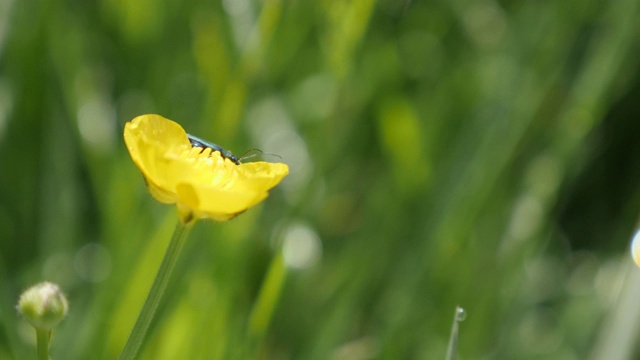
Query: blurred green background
(477, 153)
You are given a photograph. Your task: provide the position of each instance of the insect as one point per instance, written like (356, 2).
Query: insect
(197, 142)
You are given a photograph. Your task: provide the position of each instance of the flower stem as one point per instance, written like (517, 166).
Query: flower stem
(42, 338)
(150, 306)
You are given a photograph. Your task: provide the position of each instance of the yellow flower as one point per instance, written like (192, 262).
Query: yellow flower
(201, 182)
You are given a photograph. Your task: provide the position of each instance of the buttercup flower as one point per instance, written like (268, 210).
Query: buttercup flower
(201, 182)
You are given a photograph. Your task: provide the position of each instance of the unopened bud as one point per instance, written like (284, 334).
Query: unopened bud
(43, 305)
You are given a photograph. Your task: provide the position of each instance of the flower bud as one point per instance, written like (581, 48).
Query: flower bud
(43, 305)
(635, 248)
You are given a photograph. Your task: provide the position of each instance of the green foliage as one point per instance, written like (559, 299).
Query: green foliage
(471, 153)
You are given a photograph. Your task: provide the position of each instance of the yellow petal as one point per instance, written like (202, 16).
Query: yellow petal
(198, 179)
(152, 141)
(248, 187)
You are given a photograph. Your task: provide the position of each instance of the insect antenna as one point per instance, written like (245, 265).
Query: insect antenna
(251, 153)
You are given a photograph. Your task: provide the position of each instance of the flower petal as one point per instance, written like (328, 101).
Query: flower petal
(201, 180)
(152, 142)
(216, 204)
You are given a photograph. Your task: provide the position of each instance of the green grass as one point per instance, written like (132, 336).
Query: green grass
(479, 154)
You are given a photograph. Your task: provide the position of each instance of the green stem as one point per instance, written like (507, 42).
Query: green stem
(150, 306)
(43, 337)
(452, 349)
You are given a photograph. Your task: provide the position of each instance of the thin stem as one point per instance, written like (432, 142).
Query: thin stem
(42, 338)
(150, 306)
(452, 349)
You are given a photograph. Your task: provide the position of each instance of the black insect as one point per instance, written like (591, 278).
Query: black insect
(197, 142)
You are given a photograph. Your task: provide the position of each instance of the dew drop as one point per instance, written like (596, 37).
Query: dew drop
(460, 314)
